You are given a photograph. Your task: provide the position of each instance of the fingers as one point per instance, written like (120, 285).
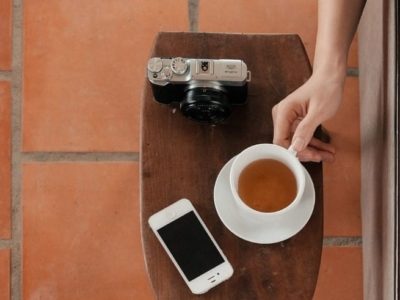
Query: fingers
(320, 145)
(304, 132)
(317, 151)
(292, 119)
(282, 117)
(315, 155)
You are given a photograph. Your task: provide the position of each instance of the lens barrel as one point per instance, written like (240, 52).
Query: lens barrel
(207, 105)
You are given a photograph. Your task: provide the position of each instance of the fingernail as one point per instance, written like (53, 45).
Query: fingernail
(298, 144)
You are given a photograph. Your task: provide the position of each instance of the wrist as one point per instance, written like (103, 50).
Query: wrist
(330, 67)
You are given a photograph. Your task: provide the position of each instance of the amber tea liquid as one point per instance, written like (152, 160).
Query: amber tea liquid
(267, 185)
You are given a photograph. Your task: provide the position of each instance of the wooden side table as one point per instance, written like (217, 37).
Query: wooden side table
(182, 158)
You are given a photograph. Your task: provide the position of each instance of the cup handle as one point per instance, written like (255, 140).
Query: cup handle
(292, 151)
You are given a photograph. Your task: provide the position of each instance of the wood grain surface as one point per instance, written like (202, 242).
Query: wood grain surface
(181, 159)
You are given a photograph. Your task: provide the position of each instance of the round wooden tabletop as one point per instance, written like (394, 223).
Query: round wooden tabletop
(181, 159)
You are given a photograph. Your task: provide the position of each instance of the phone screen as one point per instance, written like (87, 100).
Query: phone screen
(190, 245)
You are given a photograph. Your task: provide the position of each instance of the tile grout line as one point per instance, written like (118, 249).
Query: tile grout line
(342, 241)
(5, 75)
(193, 14)
(16, 180)
(327, 241)
(79, 156)
(338, 241)
(352, 72)
(5, 244)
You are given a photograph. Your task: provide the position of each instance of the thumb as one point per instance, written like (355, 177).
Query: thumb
(304, 133)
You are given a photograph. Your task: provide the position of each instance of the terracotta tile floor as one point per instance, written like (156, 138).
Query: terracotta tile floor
(5, 34)
(75, 220)
(341, 274)
(342, 178)
(5, 269)
(86, 96)
(86, 244)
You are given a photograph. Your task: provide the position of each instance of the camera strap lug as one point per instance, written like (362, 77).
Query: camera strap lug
(248, 79)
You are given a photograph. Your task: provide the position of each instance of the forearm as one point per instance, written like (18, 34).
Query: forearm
(337, 24)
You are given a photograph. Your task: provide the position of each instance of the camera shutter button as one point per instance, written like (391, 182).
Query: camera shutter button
(155, 65)
(179, 65)
(167, 73)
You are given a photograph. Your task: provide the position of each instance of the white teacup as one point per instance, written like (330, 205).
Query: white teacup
(266, 151)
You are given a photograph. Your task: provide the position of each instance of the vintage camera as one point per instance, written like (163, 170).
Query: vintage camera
(205, 89)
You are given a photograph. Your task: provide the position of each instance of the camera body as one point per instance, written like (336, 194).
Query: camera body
(206, 89)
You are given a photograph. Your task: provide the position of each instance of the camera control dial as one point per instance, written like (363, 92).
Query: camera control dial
(155, 65)
(179, 65)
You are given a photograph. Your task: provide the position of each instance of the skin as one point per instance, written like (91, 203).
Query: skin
(298, 115)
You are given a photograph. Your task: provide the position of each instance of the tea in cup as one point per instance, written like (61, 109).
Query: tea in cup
(266, 179)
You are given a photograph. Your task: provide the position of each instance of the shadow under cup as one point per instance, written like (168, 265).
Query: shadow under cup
(266, 151)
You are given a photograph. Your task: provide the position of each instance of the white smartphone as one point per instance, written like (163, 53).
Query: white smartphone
(190, 246)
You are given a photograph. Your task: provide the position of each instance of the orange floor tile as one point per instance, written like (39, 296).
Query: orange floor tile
(5, 268)
(81, 232)
(340, 276)
(342, 203)
(5, 160)
(5, 34)
(84, 66)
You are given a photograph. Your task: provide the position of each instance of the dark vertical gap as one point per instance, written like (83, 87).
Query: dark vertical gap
(396, 153)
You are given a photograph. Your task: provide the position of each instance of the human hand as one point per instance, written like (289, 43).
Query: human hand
(298, 115)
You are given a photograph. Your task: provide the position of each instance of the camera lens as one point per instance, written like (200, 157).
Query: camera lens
(206, 105)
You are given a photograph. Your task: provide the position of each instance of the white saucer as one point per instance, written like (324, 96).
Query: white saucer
(275, 228)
